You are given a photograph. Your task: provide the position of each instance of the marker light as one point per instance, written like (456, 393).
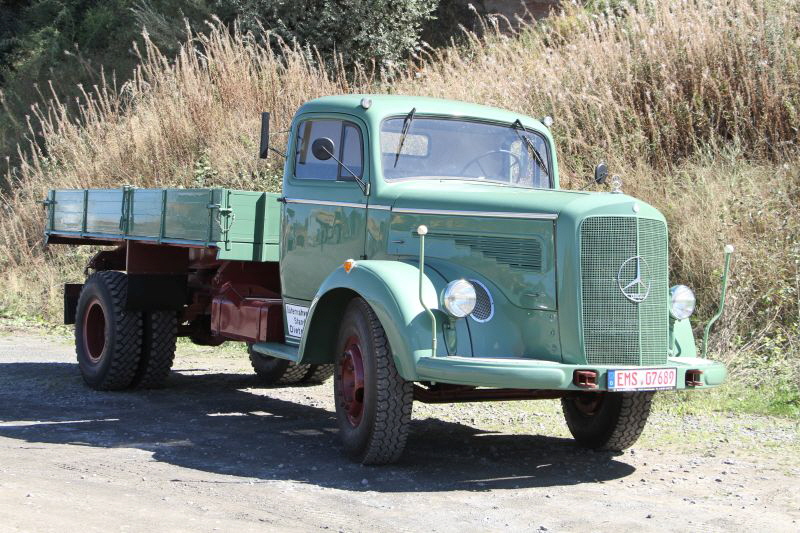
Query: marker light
(349, 264)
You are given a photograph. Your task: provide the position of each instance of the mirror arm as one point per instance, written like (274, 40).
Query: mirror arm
(271, 149)
(362, 184)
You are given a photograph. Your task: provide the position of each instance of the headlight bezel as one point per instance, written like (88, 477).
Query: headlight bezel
(682, 302)
(459, 290)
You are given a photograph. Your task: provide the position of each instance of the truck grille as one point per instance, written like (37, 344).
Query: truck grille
(617, 331)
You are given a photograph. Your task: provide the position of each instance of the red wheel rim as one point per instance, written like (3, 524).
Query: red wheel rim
(351, 381)
(94, 331)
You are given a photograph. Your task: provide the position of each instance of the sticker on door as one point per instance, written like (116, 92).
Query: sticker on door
(296, 320)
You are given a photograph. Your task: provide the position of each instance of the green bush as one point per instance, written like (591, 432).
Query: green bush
(359, 31)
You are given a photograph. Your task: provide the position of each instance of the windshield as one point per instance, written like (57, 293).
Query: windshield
(438, 149)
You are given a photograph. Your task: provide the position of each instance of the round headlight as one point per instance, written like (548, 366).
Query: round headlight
(459, 298)
(682, 302)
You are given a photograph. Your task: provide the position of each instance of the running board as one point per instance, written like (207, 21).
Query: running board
(278, 350)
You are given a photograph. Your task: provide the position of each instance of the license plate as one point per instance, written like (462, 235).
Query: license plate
(642, 379)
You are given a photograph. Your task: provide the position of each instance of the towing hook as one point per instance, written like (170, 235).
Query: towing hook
(728, 250)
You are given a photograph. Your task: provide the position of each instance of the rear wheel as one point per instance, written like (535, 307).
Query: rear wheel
(607, 420)
(373, 402)
(275, 371)
(108, 338)
(318, 374)
(160, 331)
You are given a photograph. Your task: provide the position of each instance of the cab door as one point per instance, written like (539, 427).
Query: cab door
(323, 220)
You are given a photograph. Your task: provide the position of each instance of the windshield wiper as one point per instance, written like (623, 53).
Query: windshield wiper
(406, 126)
(516, 126)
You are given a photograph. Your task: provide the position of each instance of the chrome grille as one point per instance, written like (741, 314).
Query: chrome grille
(518, 254)
(617, 331)
(484, 306)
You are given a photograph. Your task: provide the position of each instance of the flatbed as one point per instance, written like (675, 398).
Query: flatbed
(240, 225)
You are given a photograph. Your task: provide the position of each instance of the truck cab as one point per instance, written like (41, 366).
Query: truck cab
(422, 249)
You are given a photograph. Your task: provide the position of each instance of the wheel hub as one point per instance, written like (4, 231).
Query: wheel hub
(94, 331)
(351, 381)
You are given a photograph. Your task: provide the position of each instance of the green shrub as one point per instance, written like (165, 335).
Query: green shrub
(359, 31)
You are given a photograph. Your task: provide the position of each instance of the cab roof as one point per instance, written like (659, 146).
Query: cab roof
(384, 105)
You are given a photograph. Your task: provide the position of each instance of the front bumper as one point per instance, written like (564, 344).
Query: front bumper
(517, 373)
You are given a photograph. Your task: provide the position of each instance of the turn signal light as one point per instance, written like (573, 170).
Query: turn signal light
(349, 264)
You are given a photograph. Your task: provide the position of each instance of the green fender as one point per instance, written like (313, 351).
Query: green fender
(683, 339)
(391, 289)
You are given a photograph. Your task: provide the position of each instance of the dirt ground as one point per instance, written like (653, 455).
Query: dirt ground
(216, 451)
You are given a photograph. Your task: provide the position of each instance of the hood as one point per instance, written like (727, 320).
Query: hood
(469, 196)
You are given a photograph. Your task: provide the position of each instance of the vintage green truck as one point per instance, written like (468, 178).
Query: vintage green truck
(421, 249)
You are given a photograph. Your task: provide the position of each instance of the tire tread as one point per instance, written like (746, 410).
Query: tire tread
(160, 333)
(394, 400)
(125, 353)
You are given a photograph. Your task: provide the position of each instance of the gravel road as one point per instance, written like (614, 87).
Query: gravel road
(215, 451)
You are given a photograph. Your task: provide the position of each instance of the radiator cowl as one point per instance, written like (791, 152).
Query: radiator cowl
(619, 329)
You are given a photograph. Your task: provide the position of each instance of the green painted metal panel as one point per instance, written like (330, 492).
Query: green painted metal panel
(318, 237)
(67, 212)
(511, 331)
(276, 349)
(518, 255)
(146, 211)
(514, 373)
(390, 288)
(251, 230)
(189, 215)
(243, 225)
(683, 344)
(104, 211)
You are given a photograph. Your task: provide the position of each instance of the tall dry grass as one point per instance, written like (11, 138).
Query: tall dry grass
(695, 102)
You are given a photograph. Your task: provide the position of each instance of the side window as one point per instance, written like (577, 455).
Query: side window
(347, 148)
(351, 152)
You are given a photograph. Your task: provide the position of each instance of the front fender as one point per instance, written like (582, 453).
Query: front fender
(682, 339)
(391, 289)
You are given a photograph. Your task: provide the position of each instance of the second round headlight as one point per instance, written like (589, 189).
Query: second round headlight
(682, 302)
(459, 298)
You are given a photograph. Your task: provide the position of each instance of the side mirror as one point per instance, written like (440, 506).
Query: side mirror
(264, 149)
(600, 173)
(322, 148)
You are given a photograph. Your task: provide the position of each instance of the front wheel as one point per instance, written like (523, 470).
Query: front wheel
(373, 402)
(607, 420)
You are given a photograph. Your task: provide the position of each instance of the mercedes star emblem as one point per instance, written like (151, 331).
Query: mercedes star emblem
(637, 289)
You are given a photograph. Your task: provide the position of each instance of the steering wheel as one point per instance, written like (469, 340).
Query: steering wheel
(477, 160)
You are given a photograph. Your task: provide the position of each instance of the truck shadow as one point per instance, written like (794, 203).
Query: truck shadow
(213, 423)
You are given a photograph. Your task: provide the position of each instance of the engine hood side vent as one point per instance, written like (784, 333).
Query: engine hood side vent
(523, 254)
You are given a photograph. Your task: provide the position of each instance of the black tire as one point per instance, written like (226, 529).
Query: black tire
(200, 332)
(159, 333)
(318, 374)
(373, 418)
(275, 371)
(108, 338)
(607, 420)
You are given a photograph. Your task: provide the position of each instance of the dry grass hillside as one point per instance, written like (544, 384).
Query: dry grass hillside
(696, 103)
